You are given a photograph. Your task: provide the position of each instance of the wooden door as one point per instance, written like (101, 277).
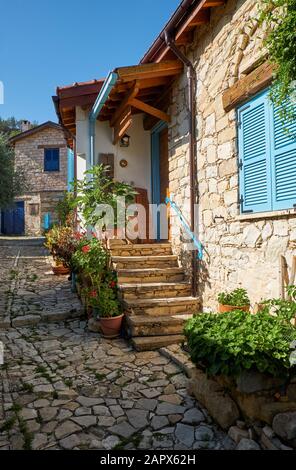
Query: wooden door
(163, 164)
(164, 169)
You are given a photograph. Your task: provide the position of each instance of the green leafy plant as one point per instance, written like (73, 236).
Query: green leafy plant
(12, 178)
(279, 18)
(236, 298)
(92, 259)
(98, 189)
(291, 291)
(236, 341)
(108, 303)
(284, 309)
(65, 209)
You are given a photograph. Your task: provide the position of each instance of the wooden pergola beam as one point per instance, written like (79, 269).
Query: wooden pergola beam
(122, 125)
(146, 108)
(129, 95)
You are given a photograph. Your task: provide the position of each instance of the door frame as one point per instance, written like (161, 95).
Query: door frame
(155, 168)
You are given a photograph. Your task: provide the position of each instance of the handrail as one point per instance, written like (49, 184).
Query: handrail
(196, 242)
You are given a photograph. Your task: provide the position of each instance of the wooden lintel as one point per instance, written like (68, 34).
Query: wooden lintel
(146, 108)
(248, 86)
(131, 93)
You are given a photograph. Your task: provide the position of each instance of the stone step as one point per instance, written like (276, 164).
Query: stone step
(154, 290)
(150, 343)
(152, 249)
(142, 325)
(148, 275)
(162, 306)
(125, 262)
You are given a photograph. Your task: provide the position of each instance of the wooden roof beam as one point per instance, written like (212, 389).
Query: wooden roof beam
(122, 125)
(146, 108)
(129, 95)
(146, 71)
(202, 17)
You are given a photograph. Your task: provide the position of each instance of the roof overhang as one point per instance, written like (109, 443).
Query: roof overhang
(67, 98)
(141, 88)
(189, 15)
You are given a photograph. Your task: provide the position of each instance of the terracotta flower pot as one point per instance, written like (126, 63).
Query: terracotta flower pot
(230, 308)
(111, 326)
(60, 270)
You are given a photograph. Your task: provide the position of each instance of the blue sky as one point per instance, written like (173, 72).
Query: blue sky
(57, 42)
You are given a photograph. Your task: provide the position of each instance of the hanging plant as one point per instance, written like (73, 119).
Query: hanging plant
(279, 17)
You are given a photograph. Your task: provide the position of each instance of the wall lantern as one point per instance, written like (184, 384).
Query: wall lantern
(125, 141)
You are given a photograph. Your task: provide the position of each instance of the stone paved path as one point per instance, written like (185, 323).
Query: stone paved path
(30, 293)
(63, 387)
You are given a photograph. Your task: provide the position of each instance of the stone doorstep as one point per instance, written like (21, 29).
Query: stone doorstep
(157, 326)
(151, 343)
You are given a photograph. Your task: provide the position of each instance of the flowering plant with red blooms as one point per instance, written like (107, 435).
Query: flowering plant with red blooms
(112, 284)
(92, 259)
(93, 294)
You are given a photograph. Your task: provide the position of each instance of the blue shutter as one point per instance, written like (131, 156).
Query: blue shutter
(283, 158)
(254, 155)
(51, 159)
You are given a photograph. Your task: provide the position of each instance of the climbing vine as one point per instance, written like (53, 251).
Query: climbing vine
(279, 16)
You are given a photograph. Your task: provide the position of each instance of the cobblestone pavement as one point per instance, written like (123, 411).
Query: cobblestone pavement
(30, 293)
(63, 387)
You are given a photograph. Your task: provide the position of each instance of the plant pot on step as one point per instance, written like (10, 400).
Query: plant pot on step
(111, 326)
(230, 308)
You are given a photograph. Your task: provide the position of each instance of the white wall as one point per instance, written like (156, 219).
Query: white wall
(82, 143)
(138, 154)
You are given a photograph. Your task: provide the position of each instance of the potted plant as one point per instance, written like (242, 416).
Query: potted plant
(235, 300)
(61, 243)
(107, 310)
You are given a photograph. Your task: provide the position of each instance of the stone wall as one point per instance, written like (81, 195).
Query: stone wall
(44, 189)
(239, 251)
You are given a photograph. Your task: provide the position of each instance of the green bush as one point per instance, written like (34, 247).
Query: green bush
(232, 342)
(236, 298)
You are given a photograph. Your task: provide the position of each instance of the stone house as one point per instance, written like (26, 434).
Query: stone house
(203, 131)
(41, 153)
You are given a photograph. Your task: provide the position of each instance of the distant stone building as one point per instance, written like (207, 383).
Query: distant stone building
(41, 152)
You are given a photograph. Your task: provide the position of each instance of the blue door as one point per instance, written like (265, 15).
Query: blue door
(13, 220)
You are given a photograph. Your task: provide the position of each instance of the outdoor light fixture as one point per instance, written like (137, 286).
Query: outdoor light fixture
(125, 140)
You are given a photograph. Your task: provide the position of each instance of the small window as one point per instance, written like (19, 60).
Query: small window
(34, 209)
(267, 156)
(51, 159)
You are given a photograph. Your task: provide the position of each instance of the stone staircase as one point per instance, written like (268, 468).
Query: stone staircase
(153, 290)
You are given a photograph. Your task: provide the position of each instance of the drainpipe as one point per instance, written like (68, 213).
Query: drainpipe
(97, 107)
(192, 144)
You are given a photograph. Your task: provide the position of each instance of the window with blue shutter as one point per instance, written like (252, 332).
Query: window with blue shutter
(267, 157)
(52, 159)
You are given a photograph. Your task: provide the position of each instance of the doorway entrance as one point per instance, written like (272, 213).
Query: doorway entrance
(13, 220)
(160, 179)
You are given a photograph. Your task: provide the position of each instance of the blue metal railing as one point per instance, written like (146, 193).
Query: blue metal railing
(196, 242)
